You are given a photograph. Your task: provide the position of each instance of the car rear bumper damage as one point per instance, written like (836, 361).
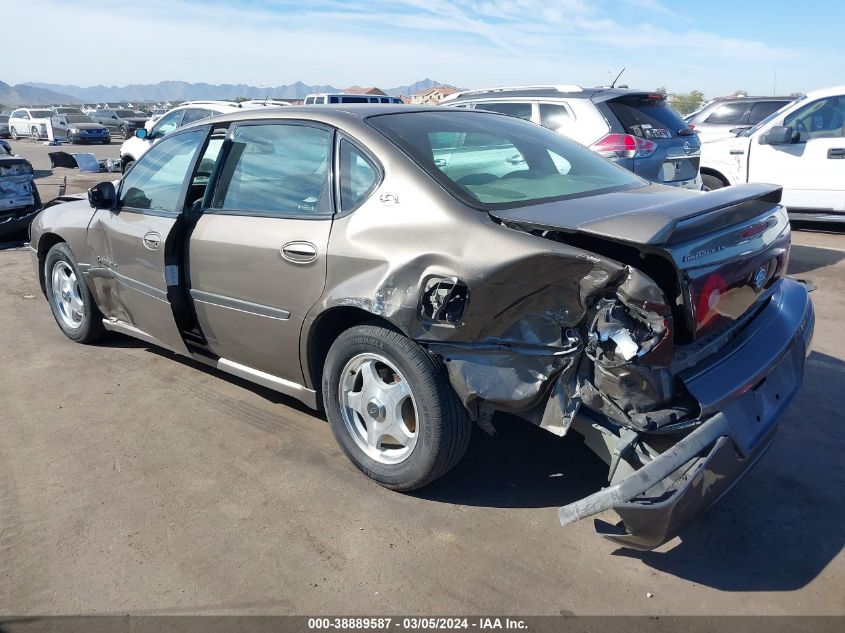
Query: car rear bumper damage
(743, 395)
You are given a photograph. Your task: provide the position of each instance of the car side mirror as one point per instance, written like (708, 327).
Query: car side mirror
(102, 196)
(141, 133)
(779, 135)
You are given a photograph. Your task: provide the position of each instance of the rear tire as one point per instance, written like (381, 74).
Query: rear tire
(441, 428)
(71, 302)
(711, 182)
(124, 133)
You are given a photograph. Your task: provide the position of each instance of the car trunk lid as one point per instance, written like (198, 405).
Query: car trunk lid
(727, 247)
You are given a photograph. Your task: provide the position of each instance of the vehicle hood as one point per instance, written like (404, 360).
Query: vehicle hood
(645, 215)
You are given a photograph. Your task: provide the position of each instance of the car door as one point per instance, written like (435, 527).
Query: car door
(811, 169)
(257, 253)
(137, 246)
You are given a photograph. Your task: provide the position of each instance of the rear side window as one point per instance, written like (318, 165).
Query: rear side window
(647, 118)
(334, 100)
(728, 114)
(553, 115)
(356, 99)
(319, 100)
(518, 110)
(358, 177)
(277, 169)
(309, 100)
(761, 110)
(194, 114)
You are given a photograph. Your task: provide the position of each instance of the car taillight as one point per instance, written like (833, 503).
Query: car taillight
(624, 146)
(691, 126)
(708, 300)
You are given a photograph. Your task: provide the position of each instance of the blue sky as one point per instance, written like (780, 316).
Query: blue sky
(717, 46)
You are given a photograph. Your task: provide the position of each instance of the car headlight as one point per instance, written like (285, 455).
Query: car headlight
(74, 130)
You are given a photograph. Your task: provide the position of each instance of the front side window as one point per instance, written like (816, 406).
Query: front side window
(824, 118)
(518, 110)
(762, 109)
(168, 123)
(358, 177)
(278, 169)
(489, 161)
(155, 182)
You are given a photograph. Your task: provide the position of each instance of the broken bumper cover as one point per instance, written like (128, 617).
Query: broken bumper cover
(743, 394)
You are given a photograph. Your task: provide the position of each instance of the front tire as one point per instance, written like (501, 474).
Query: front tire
(70, 299)
(392, 409)
(124, 133)
(14, 134)
(711, 182)
(34, 133)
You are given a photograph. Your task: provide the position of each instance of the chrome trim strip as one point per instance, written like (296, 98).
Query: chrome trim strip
(238, 304)
(130, 283)
(114, 325)
(287, 387)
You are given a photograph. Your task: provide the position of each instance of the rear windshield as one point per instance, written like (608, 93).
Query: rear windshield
(653, 119)
(490, 161)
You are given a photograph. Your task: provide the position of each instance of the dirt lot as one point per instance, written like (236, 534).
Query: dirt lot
(133, 481)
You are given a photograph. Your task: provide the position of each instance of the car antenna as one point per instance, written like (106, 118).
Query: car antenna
(613, 84)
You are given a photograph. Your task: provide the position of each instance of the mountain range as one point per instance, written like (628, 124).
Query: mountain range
(44, 93)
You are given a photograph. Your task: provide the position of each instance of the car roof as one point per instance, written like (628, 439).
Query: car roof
(826, 92)
(332, 114)
(598, 93)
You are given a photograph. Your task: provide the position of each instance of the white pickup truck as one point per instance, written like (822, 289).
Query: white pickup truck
(800, 147)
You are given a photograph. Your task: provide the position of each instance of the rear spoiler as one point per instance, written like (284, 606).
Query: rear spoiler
(685, 218)
(678, 220)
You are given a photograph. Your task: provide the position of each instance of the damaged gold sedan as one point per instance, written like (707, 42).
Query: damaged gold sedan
(415, 270)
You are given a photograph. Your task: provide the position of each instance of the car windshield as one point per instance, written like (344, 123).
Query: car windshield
(771, 117)
(41, 114)
(490, 161)
(127, 113)
(78, 118)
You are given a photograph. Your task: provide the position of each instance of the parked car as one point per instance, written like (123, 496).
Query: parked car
(30, 122)
(19, 201)
(800, 147)
(78, 128)
(183, 114)
(323, 253)
(725, 117)
(120, 122)
(4, 126)
(322, 98)
(636, 129)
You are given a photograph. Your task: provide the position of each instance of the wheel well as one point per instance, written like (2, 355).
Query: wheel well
(47, 241)
(712, 172)
(328, 326)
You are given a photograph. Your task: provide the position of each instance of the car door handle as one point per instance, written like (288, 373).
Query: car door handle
(439, 162)
(836, 152)
(152, 240)
(299, 252)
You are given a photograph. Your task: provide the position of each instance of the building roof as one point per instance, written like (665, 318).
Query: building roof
(372, 90)
(444, 90)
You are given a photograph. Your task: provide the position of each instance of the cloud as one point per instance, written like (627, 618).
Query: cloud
(385, 42)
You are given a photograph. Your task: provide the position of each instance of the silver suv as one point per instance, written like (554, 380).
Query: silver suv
(636, 129)
(723, 118)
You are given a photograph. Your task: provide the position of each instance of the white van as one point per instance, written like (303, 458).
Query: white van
(321, 98)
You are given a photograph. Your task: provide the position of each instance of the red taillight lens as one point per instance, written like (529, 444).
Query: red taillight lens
(624, 146)
(706, 308)
(691, 126)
